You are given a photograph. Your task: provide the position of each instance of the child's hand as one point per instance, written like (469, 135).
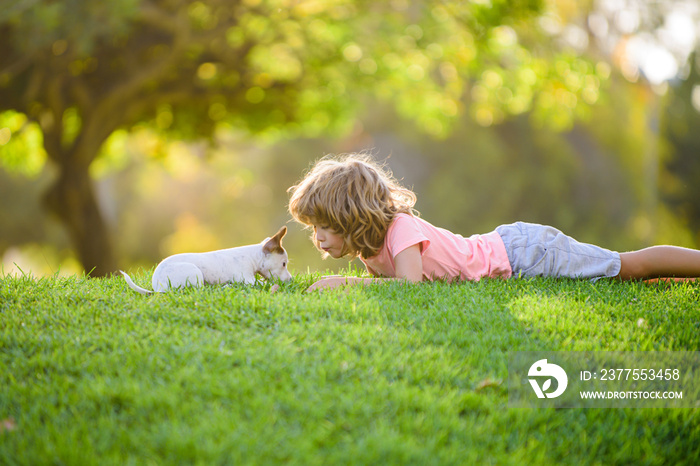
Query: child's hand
(335, 281)
(328, 283)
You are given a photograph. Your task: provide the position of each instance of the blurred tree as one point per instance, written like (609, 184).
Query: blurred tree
(79, 70)
(681, 188)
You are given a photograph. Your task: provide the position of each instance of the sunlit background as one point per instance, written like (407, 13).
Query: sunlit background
(582, 115)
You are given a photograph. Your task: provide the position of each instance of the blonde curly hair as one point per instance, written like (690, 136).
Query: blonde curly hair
(355, 197)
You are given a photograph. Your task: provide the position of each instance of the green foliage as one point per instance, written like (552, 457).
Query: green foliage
(55, 25)
(269, 66)
(679, 184)
(391, 374)
(21, 149)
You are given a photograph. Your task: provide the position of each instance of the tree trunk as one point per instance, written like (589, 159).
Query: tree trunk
(72, 199)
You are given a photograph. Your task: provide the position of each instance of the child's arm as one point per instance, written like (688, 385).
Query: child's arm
(409, 264)
(409, 267)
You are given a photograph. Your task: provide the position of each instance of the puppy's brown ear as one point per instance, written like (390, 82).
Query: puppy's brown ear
(280, 234)
(274, 244)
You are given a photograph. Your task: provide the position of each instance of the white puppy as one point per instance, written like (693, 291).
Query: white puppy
(240, 264)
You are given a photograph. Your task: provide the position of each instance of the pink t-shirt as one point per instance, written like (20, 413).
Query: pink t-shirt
(445, 255)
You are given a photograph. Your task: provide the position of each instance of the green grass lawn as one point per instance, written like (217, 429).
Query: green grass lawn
(93, 373)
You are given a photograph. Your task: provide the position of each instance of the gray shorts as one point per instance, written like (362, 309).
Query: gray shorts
(543, 251)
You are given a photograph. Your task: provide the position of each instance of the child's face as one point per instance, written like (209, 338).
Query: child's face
(330, 241)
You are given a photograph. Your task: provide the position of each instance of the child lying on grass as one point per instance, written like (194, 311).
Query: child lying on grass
(356, 208)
